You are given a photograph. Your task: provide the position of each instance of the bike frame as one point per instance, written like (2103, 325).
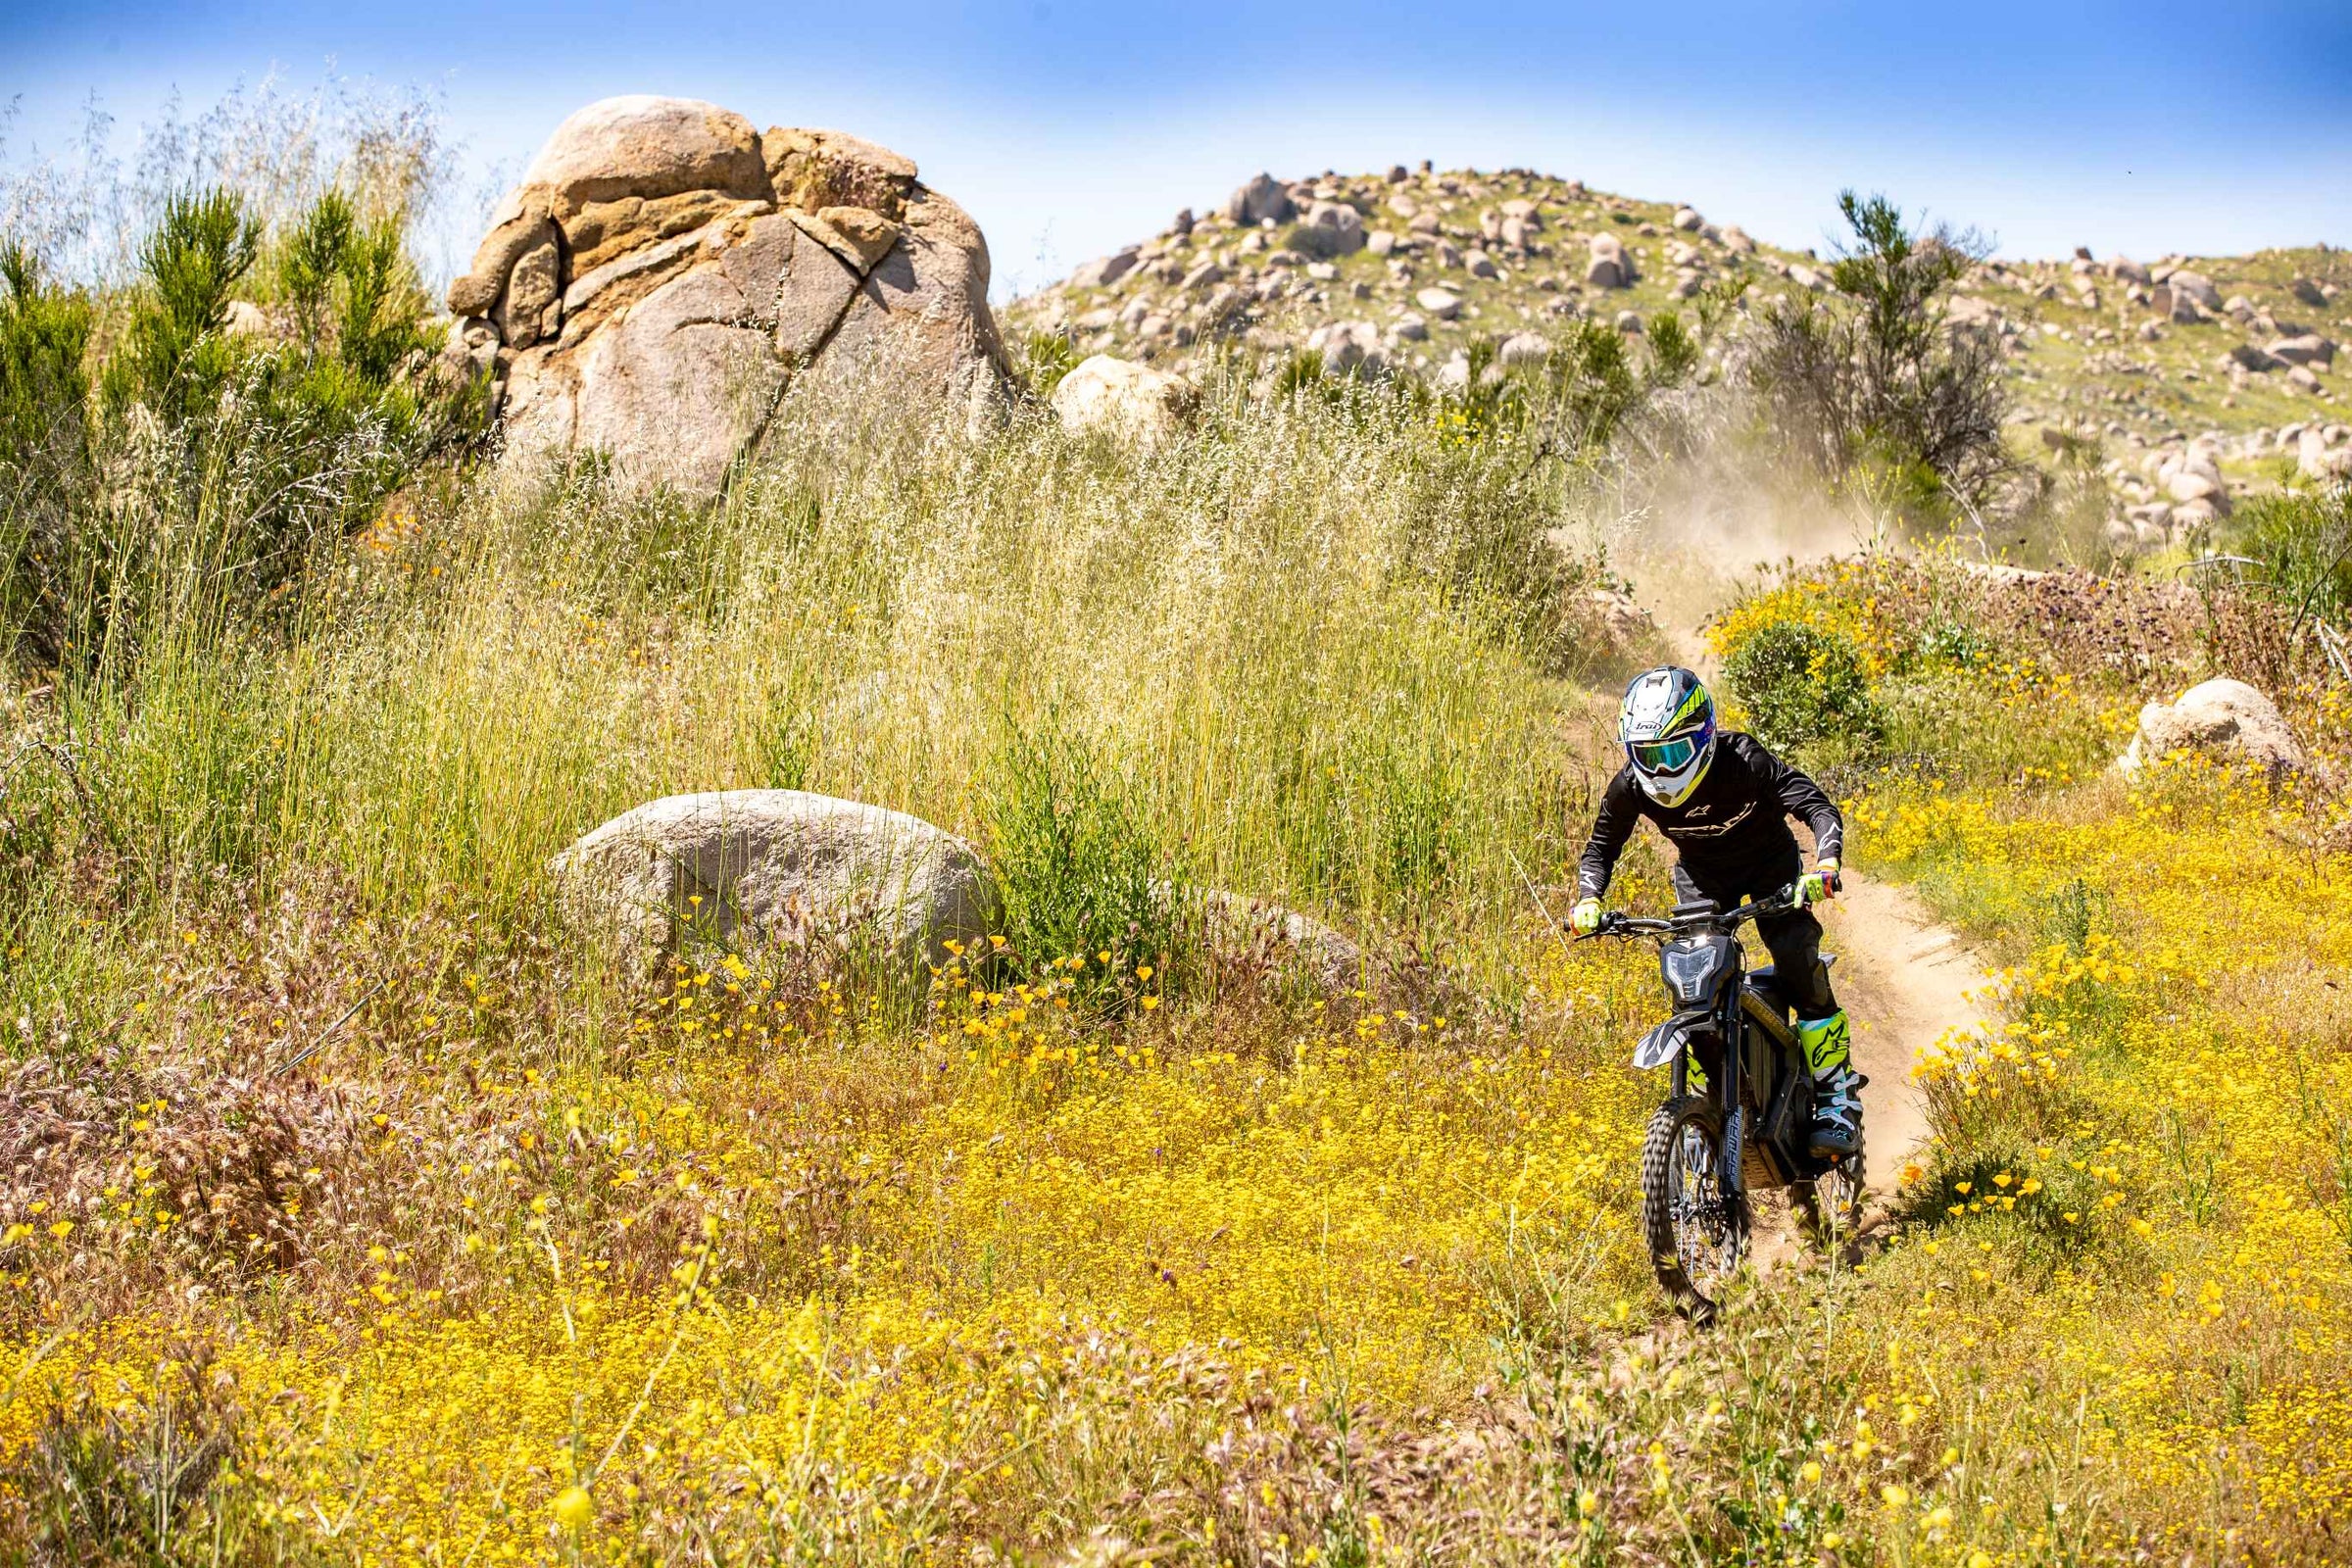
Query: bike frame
(1753, 1047)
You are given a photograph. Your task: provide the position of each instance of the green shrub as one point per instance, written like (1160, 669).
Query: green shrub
(2303, 540)
(1803, 686)
(1873, 376)
(313, 258)
(1078, 868)
(179, 358)
(228, 457)
(1674, 353)
(1046, 358)
(44, 438)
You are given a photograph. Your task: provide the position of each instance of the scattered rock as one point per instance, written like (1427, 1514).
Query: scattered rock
(2228, 718)
(1524, 348)
(2317, 458)
(1349, 346)
(1104, 271)
(2309, 348)
(2196, 286)
(1262, 199)
(1608, 266)
(1332, 228)
(775, 867)
(1687, 219)
(1265, 933)
(2308, 292)
(1440, 302)
(1124, 399)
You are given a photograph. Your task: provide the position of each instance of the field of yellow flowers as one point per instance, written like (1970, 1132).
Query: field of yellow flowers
(354, 1214)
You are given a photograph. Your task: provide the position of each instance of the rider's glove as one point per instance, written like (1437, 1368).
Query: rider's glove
(1585, 919)
(1819, 884)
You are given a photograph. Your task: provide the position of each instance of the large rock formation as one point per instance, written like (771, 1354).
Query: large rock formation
(664, 270)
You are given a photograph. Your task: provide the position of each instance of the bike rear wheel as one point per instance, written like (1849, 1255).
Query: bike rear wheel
(1697, 1227)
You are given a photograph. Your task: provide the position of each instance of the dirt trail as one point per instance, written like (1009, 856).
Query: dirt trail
(1903, 980)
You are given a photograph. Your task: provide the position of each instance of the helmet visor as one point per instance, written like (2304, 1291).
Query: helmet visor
(1664, 756)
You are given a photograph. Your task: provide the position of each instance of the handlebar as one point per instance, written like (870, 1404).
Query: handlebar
(1616, 923)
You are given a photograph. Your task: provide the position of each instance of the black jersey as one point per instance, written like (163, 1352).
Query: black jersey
(1733, 832)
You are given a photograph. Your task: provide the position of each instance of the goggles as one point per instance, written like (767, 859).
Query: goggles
(1664, 756)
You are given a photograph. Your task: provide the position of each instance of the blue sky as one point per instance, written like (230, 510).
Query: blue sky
(1068, 129)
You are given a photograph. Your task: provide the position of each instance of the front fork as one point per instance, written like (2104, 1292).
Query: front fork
(1725, 1083)
(1734, 1128)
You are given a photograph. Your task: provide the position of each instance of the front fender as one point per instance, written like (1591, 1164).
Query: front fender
(1664, 1043)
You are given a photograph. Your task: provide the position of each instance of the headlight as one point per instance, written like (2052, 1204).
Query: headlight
(1692, 969)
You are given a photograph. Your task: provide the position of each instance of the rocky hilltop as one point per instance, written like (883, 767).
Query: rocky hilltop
(2222, 367)
(664, 270)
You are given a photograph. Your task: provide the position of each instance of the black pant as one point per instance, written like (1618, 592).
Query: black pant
(1793, 938)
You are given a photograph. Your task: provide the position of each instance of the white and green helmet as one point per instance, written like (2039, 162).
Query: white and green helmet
(1667, 726)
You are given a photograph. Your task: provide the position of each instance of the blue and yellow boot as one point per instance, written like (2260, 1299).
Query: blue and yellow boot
(1836, 1087)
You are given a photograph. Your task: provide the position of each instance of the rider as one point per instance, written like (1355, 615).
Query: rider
(1723, 801)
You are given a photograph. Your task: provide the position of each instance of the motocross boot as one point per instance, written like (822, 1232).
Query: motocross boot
(1836, 1087)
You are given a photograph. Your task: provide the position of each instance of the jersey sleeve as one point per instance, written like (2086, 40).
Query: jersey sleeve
(1612, 825)
(1800, 797)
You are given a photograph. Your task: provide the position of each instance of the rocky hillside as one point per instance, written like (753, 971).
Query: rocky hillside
(2211, 363)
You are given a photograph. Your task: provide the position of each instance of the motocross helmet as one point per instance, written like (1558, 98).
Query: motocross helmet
(1667, 726)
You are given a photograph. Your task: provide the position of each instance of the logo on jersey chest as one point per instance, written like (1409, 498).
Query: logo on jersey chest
(1697, 822)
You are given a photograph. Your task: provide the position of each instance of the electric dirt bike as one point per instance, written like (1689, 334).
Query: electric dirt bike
(1739, 1115)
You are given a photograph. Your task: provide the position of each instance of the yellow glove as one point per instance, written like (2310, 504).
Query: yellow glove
(1818, 885)
(1585, 919)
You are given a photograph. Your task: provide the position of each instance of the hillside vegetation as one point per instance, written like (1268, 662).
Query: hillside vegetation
(357, 1210)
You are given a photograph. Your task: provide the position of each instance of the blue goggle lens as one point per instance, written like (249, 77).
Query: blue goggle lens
(1664, 756)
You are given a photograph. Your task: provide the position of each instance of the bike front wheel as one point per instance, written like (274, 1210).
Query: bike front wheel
(1695, 1225)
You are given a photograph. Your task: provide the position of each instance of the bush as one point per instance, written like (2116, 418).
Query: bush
(1078, 868)
(2304, 543)
(44, 438)
(178, 357)
(1046, 358)
(1803, 686)
(192, 489)
(1877, 374)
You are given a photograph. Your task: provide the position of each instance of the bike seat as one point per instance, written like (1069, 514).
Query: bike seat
(1766, 980)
